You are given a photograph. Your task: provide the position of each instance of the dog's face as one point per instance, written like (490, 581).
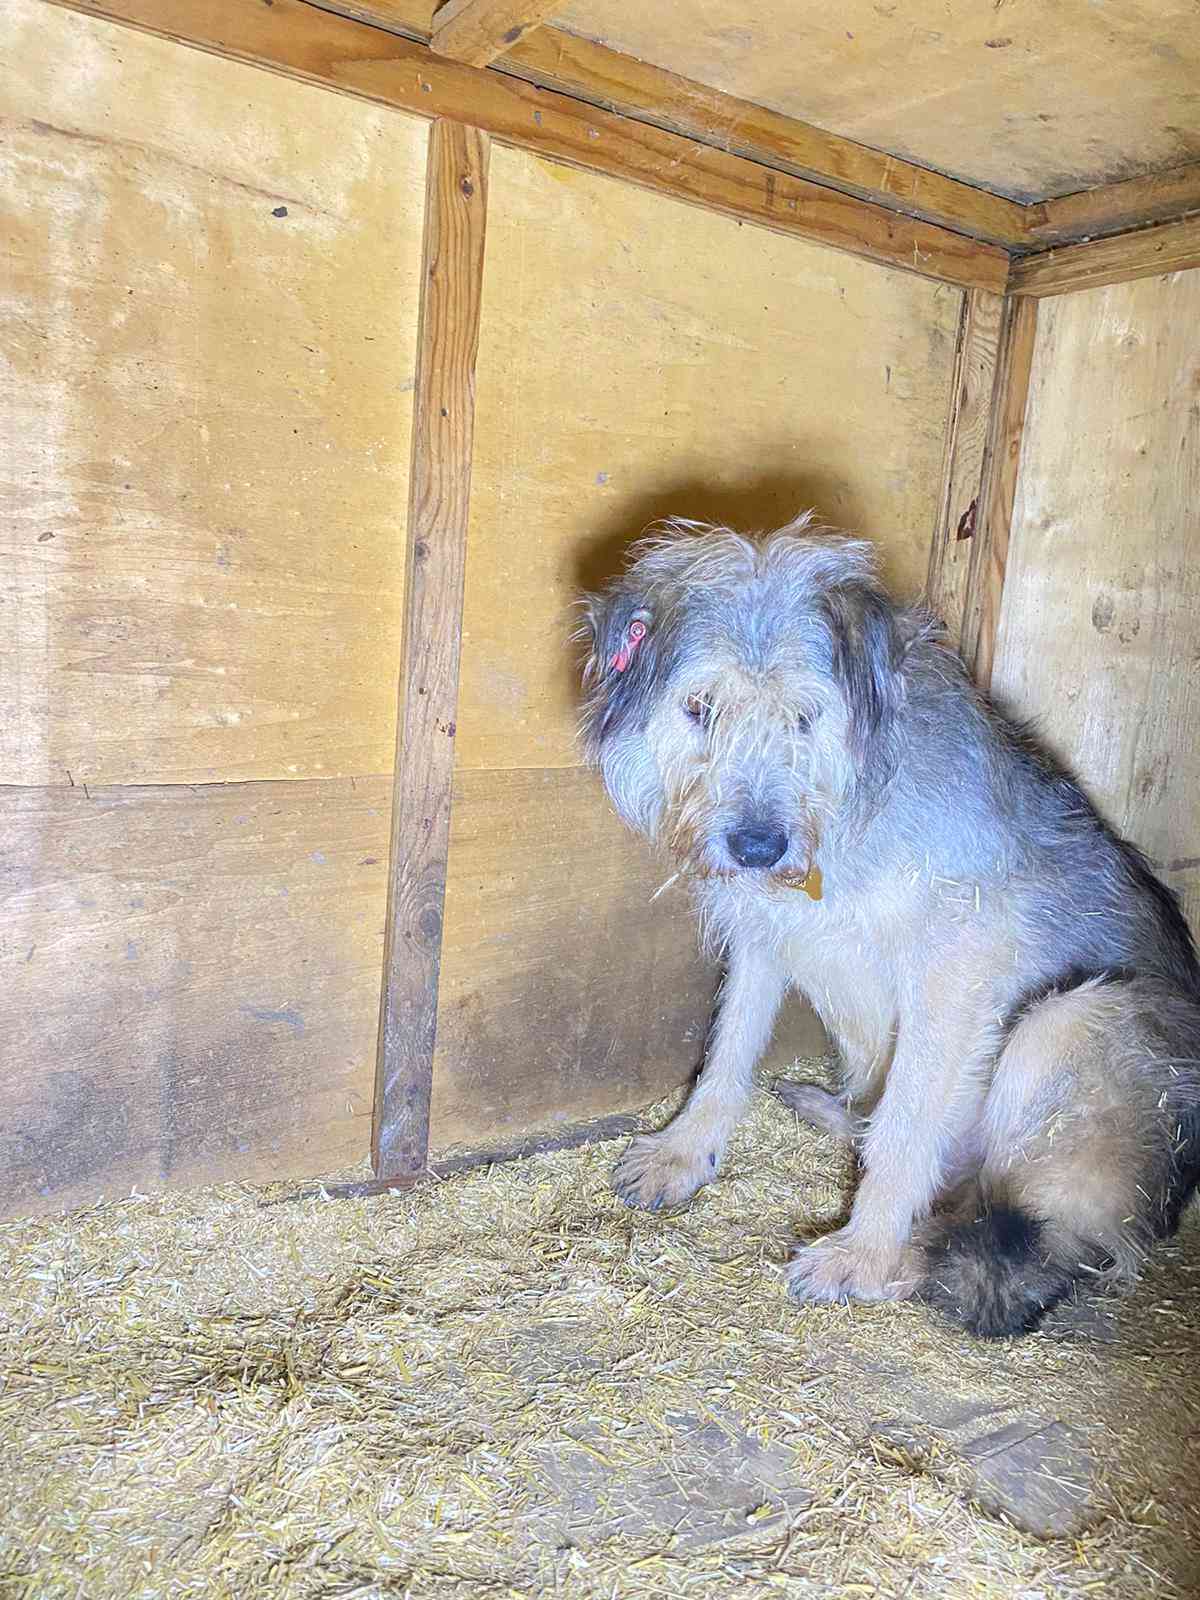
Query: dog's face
(740, 691)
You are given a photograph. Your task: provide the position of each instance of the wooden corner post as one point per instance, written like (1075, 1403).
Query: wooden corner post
(439, 498)
(969, 552)
(997, 493)
(960, 515)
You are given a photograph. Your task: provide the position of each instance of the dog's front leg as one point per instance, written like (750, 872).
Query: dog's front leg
(933, 1090)
(664, 1169)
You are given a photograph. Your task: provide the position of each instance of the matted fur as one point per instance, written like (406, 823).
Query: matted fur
(1015, 997)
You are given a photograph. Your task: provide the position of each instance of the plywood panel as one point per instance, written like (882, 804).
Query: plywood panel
(566, 992)
(1100, 630)
(640, 358)
(208, 325)
(1026, 98)
(189, 983)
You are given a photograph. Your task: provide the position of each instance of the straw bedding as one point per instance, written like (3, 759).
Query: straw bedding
(507, 1384)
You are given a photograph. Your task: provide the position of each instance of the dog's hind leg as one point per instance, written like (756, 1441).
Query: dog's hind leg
(664, 1169)
(1090, 1136)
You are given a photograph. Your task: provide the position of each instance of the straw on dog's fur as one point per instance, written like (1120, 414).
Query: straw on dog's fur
(1015, 996)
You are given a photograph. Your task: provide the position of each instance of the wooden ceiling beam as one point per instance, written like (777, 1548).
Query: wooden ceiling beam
(477, 31)
(568, 64)
(586, 70)
(317, 46)
(635, 121)
(1116, 206)
(593, 72)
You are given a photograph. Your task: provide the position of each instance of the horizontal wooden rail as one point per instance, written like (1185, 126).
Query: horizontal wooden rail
(1169, 247)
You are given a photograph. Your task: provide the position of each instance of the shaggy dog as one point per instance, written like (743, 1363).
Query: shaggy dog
(1014, 995)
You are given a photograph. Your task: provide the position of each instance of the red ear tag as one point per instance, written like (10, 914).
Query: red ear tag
(633, 638)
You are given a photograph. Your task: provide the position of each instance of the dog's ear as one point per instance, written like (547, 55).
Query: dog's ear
(867, 651)
(624, 659)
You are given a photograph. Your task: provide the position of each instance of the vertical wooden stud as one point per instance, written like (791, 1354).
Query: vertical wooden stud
(439, 496)
(966, 441)
(1002, 459)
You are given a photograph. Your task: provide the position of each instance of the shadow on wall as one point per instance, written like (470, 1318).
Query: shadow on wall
(757, 504)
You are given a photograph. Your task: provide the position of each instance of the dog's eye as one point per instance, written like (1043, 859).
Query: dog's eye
(699, 709)
(805, 720)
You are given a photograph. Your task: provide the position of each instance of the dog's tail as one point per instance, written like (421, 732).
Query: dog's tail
(1091, 1150)
(998, 1271)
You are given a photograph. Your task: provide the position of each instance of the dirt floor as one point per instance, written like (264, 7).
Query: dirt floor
(508, 1384)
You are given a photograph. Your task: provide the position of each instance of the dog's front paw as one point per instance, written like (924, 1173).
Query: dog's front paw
(844, 1266)
(659, 1171)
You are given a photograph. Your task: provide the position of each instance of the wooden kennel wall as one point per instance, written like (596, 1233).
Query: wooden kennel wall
(349, 371)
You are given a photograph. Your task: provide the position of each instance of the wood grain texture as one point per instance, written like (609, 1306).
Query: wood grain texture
(640, 359)
(947, 586)
(298, 40)
(989, 547)
(591, 71)
(566, 992)
(1100, 631)
(1117, 206)
(440, 493)
(1028, 99)
(189, 983)
(477, 31)
(1148, 253)
(205, 432)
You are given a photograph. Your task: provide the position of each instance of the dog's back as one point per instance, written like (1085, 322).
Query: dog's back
(1091, 1133)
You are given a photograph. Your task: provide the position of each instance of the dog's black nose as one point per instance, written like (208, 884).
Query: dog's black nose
(756, 846)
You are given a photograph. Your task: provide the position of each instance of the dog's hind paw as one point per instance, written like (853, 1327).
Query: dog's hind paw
(656, 1172)
(844, 1267)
